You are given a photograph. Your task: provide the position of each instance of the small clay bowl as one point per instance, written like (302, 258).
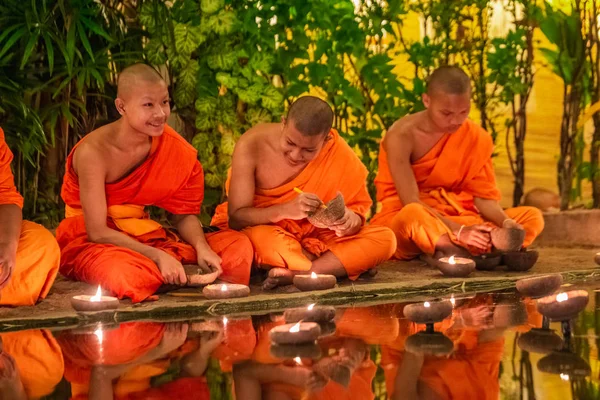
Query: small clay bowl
(215, 292)
(197, 276)
(308, 333)
(564, 363)
(507, 315)
(428, 312)
(462, 267)
(290, 351)
(82, 303)
(508, 239)
(520, 261)
(315, 314)
(563, 306)
(307, 283)
(327, 328)
(334, 370)
(539, 286)
(541, 341)
(325, 217)
(435, 344)
(487, 262)
(597, 258)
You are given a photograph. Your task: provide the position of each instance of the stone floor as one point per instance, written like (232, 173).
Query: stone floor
(396, 281)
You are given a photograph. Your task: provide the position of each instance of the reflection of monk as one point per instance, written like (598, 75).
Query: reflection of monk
(107, 237)
(29, 254)
(304, 152)
(31, 364)
(436, 180)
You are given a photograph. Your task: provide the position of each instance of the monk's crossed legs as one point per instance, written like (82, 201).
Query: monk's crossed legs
(349, 256)
(418, 231)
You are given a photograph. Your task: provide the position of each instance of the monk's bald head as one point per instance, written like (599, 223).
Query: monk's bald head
(311, 116)
(133, 77)
(449, 80)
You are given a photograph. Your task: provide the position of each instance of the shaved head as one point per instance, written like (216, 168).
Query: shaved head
(134, 75)
(449, 80)
(311, 116)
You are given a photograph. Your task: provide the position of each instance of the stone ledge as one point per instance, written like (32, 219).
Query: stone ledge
(577, 228)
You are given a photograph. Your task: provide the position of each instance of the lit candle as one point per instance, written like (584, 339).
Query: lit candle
(295, 328)
(427, 304)
(428, 312)
(314, 281)
(85, 303)
(225, 321)
(451, 260)
(223, 288)
(313, 275)
(563, 306)
(301, 332)
(562, 297)
(564, 377)
(223, 291)
(311, 307)
(455, 266)
(298, 360)
(98, 296)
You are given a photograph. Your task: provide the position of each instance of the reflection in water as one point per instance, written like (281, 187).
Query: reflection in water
(491, 346)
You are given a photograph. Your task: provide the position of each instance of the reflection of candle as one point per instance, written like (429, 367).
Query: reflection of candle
(311, 307)
(223, 288)
(298, 360)
(225, 320)
(562, 297)
(295, 328)
(313, 275)
(564, 377)
(98, 295)
(452, 300)
(426, 304)
(99, 335)
(451, 260)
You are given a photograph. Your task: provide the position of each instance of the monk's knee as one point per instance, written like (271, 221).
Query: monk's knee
(243, 248)
(385, 238)
(406, 219)
(35, 239)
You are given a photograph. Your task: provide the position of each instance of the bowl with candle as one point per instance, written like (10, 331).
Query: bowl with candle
(432, 343)
(541, 341)
(199, 276)
(225, 291)
(291, 351)
(311, 313)
(507, 239)
(98, 302)
(314, 282)
(300, 332)
(457, 267)
(539, 286)
(428, 312)
(325, 216)
(520, 261)
(563, 306)
(565, 364)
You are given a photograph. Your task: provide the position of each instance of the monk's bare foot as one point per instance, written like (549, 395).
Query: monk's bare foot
(430, 260)
(278, 277)
(370, 273)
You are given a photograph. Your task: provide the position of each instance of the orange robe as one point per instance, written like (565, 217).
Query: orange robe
(238, 344)
(336, 168)
(455, 171)
(170, 178)
(38, 358)
(37, 251)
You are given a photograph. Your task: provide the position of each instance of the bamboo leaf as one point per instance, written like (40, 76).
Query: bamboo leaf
(29, 48)
(94, 27)
(49, 52)
(13, 39)
(84, 40)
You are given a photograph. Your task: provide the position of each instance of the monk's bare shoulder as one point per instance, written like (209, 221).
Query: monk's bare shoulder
(256, 140)
(92, 148)
(401, 135)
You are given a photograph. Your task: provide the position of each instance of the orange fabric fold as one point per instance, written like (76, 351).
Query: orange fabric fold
(8, 190)
(238, 344)
(336, 168)
(450, 176)
(176, 186)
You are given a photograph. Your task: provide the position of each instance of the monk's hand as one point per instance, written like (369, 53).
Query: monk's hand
(208, 259)
(8, 257)
(476, 236)
(302, 206)
(348, 225)
(511, 223)
(171, 269)
(174, 337)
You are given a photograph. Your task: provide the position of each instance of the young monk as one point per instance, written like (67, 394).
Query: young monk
(113, 173)
(302, 152)
(436, 180)
(29, 254)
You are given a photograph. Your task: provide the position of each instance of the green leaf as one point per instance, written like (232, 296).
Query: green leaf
(200, 141)
(211, 6)
(12, 40)
(260, 61)
(272, 99)
(227, 144)
(187, 38)
(224, 23)
(206, 105)
(212, 180)
(155, 52)
(221, 60)
(227, 80)
(33, 39)
(185, 85)
(94, 27)
(204, 122)
(85, 41)
(255, 116)
(49, 52)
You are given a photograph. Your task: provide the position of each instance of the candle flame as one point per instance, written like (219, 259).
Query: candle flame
(311, 307)
(225, 320)
(298, 360)
(223, 288)
(98, 296)
(295, 328)
(313, 275)
(564, 377)
(452, 300)
(451, 260)
(426, 304)
(562, 297)
(99, 334)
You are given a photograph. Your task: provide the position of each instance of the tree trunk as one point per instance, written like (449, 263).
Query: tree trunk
(568, 132)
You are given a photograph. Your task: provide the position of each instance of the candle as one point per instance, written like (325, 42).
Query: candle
(520, 260)
(309, 314)
(301, 332)
(539, 286)
(298, 360)
(428, 312)
(455, 266)
(225, 291)
(563, 306)
(314, 282)
(86, 303)
(292, 351)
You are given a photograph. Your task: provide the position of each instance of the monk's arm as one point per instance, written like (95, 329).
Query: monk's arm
(407, 378)
(492, 211)
(189, 228)
(10, 221)
(398, 147)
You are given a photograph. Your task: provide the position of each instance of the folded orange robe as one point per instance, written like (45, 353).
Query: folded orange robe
(38, 358)
(171, 178)
(37, 252)
(455, 171)
(336, 168)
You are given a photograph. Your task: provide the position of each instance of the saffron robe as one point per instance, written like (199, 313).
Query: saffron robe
(38, 254)
(457, 169)
(170, 178)
(336, 168)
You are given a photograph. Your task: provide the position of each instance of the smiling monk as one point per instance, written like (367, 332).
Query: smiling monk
(304, 152)
(436, 180)
(107, 237)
